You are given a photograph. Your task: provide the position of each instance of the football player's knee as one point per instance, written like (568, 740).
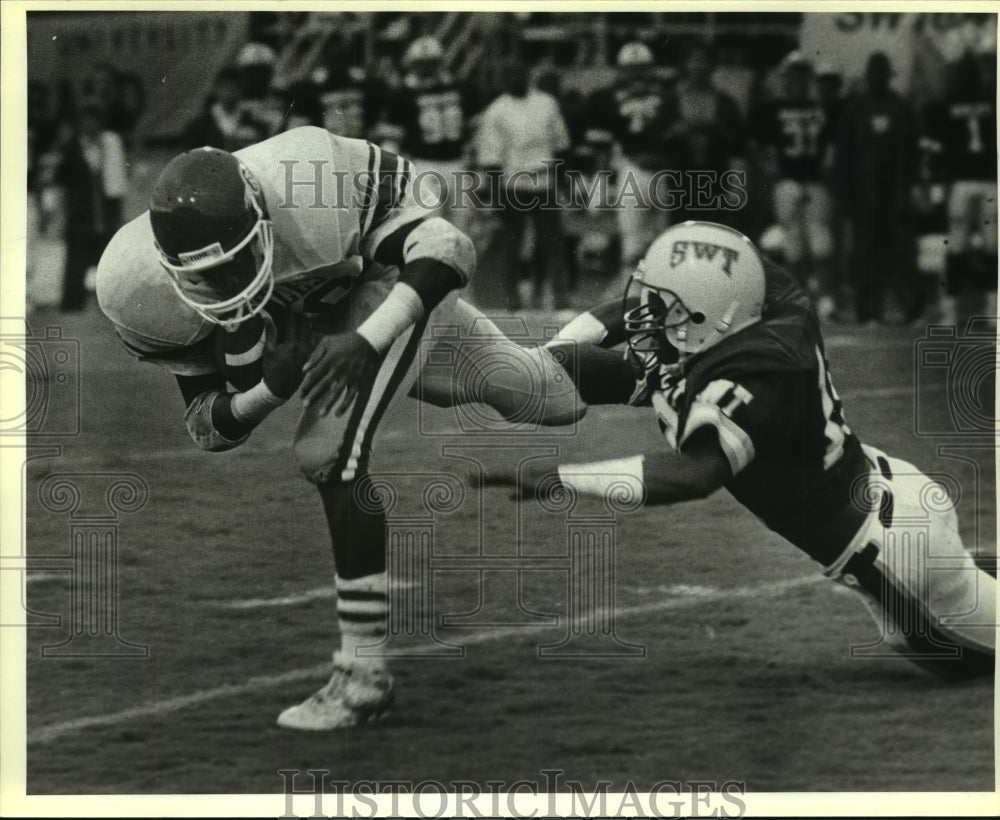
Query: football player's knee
(320, 448)
(560, 399)
(316, 458)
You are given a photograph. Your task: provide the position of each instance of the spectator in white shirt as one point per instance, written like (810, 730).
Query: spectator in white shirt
(522, 135)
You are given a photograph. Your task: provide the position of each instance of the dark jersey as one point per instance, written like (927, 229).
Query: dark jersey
(350, 103)
(877, 152)
(637, 114)
(434, 118)
(967, 134)
(767, 395)
(799, 135)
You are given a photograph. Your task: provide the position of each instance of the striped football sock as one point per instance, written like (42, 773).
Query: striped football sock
(362, 610)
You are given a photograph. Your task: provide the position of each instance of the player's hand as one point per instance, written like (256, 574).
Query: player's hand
(282, 362)
(337, 369)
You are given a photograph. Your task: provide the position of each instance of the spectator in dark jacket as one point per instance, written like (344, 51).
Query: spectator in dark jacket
(93, 174)
(876, 167)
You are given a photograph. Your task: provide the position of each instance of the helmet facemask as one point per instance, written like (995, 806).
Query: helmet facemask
(196, 275)
(647, 323)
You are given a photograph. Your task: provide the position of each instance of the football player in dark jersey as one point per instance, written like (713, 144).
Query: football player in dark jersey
(795, 141)
(964, 129)
(731, 359)
(350, 99)
(636, 113)
(432, 112)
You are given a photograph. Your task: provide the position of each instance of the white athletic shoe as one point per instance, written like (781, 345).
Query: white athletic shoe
(356, 693)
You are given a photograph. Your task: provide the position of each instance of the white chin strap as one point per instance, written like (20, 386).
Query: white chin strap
(726, 322)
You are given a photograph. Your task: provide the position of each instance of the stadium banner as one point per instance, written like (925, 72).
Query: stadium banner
(172, 57)
(843, 41)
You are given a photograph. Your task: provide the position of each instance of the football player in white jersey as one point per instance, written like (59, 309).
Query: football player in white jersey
(728, 353)
(303, 263)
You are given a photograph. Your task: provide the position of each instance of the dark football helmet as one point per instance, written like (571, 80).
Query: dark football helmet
(213, 236)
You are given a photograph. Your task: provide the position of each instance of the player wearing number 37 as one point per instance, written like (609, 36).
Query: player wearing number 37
(727, 351)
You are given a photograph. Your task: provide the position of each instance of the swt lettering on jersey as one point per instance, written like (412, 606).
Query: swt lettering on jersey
(703, 250)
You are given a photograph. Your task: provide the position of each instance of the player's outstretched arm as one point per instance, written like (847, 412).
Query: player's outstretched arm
(601, 376)
(664, 477)
(603, 325)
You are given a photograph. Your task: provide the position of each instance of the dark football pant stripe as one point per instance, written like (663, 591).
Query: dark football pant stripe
(931, 648)
(361, 408)
(398, 374)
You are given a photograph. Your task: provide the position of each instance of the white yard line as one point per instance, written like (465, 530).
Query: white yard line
(316, 594)
(689, 597)
(288, 600)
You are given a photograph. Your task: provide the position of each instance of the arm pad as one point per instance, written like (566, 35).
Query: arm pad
(198, 418)
(438, 239)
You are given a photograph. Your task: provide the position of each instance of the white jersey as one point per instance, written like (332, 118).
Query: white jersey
(331, 201)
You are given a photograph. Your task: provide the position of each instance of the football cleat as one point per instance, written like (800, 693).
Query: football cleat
(355, 694)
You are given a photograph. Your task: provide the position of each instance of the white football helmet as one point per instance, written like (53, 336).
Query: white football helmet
(699, 283)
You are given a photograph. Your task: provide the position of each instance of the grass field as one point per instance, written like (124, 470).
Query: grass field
(226, 575)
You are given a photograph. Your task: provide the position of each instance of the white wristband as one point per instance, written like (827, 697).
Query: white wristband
(253, 406)
(599, 478)
(401, 308)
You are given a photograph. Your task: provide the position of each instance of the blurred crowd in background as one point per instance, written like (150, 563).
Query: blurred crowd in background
(883, 204)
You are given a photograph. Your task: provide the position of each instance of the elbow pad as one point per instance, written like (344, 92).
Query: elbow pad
(198, 418)
(438, 239)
